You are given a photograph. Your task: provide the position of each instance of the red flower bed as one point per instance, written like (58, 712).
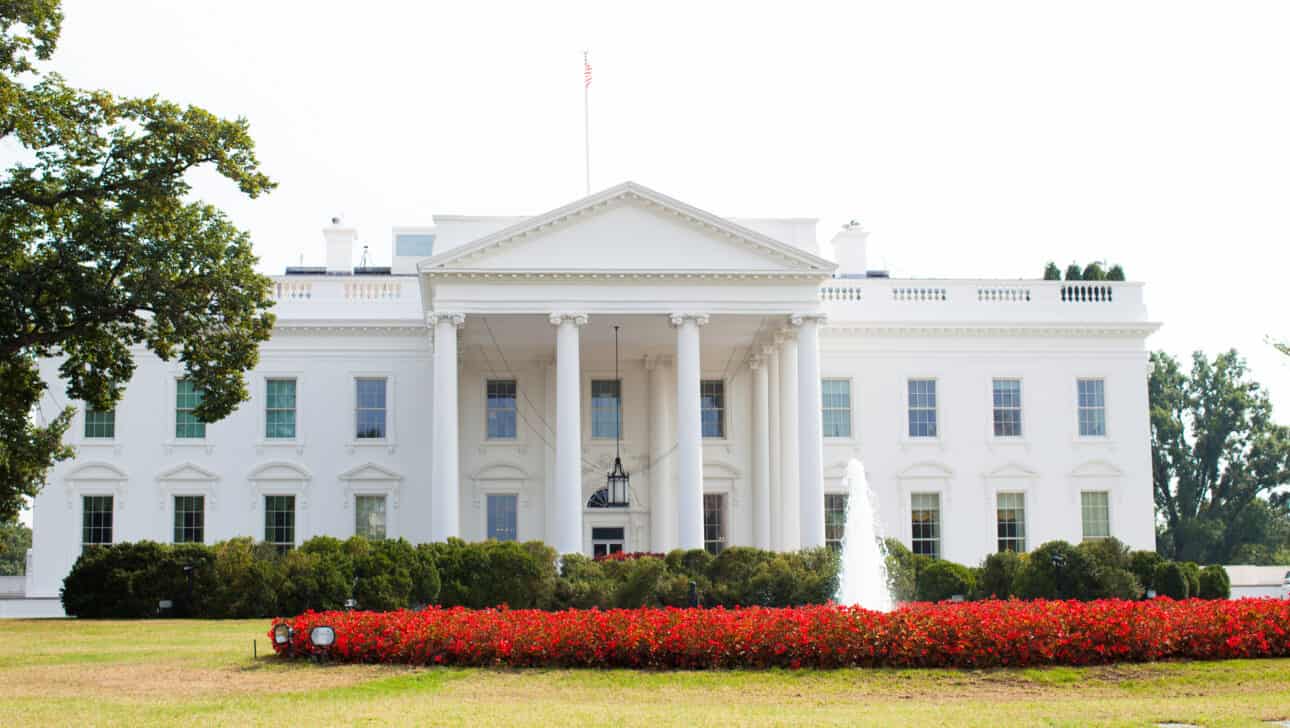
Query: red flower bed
(973, 634)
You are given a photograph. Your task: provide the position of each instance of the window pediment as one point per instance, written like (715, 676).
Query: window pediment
(926, 470)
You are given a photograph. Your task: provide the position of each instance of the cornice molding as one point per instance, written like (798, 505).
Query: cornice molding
(412, 327)
(483, 274)
(1086, 330)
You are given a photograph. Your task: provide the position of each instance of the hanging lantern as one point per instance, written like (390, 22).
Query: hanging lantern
(618, 481)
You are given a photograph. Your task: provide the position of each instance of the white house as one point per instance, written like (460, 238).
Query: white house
(468, 390)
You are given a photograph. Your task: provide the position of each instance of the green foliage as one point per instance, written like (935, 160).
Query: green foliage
(1052, 272)
(102, 248)
(15, 539)
(941, 580)
(1215, 583)
(1143, 565)
(1093, 272)
(1113, 575)
(903, 567)
(1170, 581)
(998, 572)
(1056, 570)
(382, 573)
(138, 576)
(1219, 462)
(1191, 571)
(1074, 273)
(1116, 273)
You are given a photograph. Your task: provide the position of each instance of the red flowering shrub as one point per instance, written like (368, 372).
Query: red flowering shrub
(972, 634)
(630, 556)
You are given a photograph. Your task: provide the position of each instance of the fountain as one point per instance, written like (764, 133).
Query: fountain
(862, 580)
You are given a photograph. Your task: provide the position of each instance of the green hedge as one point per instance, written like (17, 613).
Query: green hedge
(240, 578)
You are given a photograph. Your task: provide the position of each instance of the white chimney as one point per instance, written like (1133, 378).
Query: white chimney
(849, 248)
(340, 246)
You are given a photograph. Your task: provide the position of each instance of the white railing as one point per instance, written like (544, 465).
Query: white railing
(879, 299)
(376, 290)
(289, 290)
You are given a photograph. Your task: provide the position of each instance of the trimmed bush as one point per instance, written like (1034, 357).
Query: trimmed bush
(998, 572)
(1191, 570)
(941, 580)
(1052, 272)
(903, 567)
(1170, 581)
(1056, 570)
(1143, 565)
(1074, 272)
(1215, 583)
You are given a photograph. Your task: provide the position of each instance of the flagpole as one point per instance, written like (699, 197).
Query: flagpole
(586, 115)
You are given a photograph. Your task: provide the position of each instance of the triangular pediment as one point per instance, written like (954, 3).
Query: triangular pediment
(370, 471)
(96, 471)
(280, 470)
(1096, 469)
(1012, 470)
(187, 472)
(629, 228)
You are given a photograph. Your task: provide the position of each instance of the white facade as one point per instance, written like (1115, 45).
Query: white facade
(744, 311)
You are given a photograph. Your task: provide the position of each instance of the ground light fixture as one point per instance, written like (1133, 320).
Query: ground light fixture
(282, 634)
(322, 636)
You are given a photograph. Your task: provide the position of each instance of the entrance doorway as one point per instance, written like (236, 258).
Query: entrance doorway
(607, 540)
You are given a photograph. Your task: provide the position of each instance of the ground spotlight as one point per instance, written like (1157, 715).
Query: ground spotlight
(282, 634)
(322, 636)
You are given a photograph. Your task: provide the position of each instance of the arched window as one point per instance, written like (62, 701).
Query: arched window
(600, 499)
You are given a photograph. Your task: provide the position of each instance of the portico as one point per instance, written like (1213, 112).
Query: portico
(705, 306)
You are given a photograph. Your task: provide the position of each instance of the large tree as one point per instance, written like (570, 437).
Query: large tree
(102, 249)
(1219, 461)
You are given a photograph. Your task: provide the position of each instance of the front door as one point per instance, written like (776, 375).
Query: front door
(606, 540)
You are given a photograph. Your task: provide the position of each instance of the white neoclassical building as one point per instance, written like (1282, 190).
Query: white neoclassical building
(469, 390)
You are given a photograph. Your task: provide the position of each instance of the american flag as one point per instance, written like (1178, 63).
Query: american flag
(586, 71)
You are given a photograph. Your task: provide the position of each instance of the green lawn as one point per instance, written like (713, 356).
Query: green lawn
(202, 673)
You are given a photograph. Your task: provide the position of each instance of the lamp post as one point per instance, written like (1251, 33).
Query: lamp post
(618, 481)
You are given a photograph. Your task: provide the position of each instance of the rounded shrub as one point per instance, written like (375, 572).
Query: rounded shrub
(997, 574)
(1056, 570)
(1143, 565)
(1215, 583)
(1170, 581)
(1192, 571)
(941, 580)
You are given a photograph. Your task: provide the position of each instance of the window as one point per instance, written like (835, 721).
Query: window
(190, 519)
(502, 516)
(1092, 408)
(369, 516)
(925, 524)
(714, 522)
(1095, 513)
(1007, 407)
(99, 425)
(606, 541)
(420, 245)
(922, 408)
(835, 519)
(837, 407)
(712, 407)
(1012, 522)
(501, 409)
(96, 521)
(187, 397)
(371, 409)
(606, 395)
(280, 521)
(280, 409)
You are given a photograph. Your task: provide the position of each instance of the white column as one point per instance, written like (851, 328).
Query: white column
(810, 423)
(566, 521)
(771, 355)
(689, 431)
(662, 438)
(789, 469)
(761, 453)
(445, 481)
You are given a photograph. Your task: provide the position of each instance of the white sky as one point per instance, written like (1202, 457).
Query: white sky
(972, 139)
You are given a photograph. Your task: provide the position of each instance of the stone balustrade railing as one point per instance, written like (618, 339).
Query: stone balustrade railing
(983, 300)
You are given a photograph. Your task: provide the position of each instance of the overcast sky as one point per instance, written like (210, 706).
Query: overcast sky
(972, 139)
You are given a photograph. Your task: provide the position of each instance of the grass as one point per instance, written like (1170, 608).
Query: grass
(202, 672)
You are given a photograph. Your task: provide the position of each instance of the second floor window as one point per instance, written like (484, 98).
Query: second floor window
(280, 409)
(1092, 408)
(837, 407)
(187, 397)
(1007, 407)
(99, 425)
(190, 519)
(922, 408)
(606, 396)
(501, 409)
(370, 415)
(712, 407)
